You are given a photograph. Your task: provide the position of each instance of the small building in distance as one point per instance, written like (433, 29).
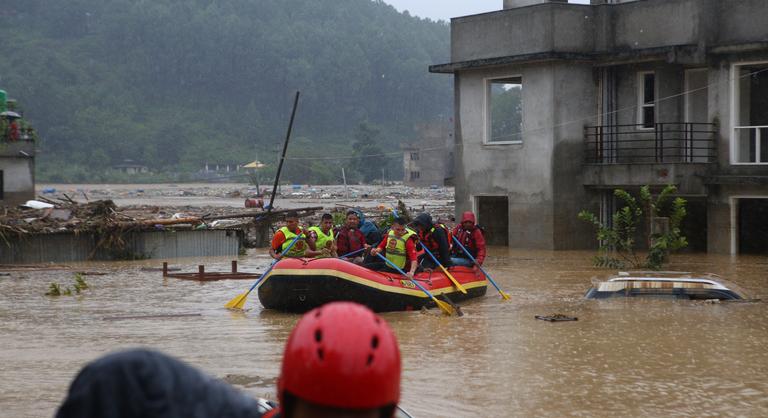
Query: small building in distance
(428, 160)
(131, 167)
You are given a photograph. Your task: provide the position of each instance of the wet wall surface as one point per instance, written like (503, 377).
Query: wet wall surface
(628, 357)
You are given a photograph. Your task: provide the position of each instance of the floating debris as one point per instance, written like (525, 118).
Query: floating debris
(556, 318)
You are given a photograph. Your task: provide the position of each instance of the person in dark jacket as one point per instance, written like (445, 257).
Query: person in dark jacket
(471, 237)
(341, 360)
(436, 239)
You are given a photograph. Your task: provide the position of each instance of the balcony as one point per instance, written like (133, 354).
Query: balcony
(678, 143)
(659, 154)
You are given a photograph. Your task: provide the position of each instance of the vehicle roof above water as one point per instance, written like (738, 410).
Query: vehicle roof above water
(677, 279)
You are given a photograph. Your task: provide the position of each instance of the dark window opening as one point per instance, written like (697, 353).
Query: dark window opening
(493, 216)
(753, 226)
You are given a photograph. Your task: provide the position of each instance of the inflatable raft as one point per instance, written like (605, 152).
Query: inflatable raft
(298, 285)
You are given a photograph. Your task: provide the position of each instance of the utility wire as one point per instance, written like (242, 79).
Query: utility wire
(520, 133)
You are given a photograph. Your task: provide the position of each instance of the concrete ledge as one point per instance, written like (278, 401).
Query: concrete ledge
(689, 178)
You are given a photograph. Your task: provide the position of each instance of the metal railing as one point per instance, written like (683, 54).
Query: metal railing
(662, 143)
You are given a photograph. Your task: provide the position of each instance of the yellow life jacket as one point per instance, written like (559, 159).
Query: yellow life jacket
(322, 239)
(396, 248)
(299, 248)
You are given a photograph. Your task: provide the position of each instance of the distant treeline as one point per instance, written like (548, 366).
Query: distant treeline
(172, 84)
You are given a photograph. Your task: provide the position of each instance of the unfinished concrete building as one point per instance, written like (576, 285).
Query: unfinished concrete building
(557, 104)
(428, 161)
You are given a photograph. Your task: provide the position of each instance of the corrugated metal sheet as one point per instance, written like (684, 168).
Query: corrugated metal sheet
(59, 248)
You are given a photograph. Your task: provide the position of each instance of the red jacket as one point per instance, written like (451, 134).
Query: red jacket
(472, 239)
(349, 240)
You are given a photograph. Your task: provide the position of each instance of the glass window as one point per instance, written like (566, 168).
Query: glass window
(505, 110)
(647, 99)
(751, 103)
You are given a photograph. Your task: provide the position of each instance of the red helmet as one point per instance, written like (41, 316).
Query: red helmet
(342, 355)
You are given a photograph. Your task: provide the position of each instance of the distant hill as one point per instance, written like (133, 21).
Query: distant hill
(171, 84)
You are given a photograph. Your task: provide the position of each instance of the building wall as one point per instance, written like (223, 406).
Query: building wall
(18, 173)
(520, 171)
(574, 107)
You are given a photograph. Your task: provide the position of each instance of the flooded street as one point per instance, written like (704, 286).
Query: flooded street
(621, 358)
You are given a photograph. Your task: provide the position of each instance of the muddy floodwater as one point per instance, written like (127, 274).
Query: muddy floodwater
(627, 357)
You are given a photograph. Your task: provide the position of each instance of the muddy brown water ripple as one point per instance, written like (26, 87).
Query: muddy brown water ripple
(627, 357)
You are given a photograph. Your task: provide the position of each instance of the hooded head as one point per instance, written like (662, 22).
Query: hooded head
(423, 220)
(468, 220)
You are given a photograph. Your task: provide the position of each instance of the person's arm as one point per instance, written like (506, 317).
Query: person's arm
(480, 244)
(379, 248)
(277, 244)
(410, 251)
(443, 248)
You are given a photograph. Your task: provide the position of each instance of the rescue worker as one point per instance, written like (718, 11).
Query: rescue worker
(285, 235)
(322, 236)
(471, 237)
(341, 360)
(436, 238)
(399, 248)
(351, 239)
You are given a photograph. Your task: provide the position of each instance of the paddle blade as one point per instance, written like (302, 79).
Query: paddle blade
(455, 282)
(445, 307)
(238, 303)
(504, 295)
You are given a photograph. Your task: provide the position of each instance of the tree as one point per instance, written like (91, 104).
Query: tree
(369, 158)
(617, 241)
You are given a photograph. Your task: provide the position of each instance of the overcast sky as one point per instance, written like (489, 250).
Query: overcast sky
(446, 9)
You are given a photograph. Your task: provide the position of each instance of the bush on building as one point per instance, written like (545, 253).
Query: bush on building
(618, 246)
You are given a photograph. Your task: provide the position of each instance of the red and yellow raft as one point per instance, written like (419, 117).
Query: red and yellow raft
(299, 284)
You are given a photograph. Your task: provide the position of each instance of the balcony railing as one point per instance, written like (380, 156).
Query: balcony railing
(662, 143)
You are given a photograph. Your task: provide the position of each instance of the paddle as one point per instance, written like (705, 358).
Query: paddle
(239, 301)
(352, 253)
(501, 292)
(445, 307)
(450, 276)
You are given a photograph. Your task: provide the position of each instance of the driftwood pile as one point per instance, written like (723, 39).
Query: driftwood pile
(109, 223)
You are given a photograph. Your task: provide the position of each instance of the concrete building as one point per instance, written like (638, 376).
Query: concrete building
(429, 160)
(557, 104)
(17, 171)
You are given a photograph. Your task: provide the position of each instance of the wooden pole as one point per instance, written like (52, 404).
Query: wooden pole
(285, 148)
(234, 266)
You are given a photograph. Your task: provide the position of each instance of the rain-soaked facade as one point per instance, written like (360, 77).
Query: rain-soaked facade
(558, 104)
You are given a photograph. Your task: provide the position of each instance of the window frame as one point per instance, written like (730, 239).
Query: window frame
(642, 105)
(735, 110)
(487, 111)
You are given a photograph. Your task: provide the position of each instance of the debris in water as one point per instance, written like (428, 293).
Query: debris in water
(556, 318)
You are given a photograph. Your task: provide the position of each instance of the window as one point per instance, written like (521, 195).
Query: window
(414, 156)
(2, 185)
(646, 95)
(504, 110)
(415, 175)
(750, 103)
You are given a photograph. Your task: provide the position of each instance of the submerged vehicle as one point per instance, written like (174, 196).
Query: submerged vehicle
(300, 284)
(669, 284)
